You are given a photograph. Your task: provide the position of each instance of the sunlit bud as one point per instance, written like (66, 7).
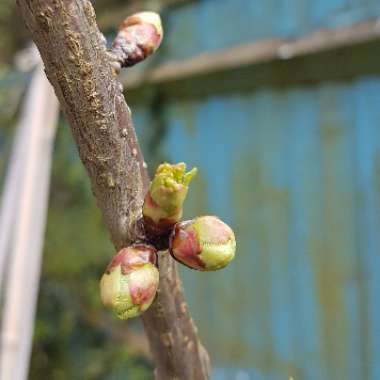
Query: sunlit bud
(130, 282)
(164, 200)
(139, 36)
(205, 243)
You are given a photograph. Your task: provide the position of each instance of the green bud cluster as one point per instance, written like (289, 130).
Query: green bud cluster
(204, 243)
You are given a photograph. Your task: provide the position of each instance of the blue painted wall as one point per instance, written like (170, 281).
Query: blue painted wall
(296, 172)
(208, 25)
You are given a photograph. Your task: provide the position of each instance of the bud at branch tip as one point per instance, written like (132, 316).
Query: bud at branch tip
(138, 37)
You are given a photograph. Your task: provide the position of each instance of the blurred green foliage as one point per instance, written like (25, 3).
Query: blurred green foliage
(75, 338)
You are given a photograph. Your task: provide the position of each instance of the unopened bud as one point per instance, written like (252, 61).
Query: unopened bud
(139, 36)
(205, 243)
(164, 201)
(130, 282)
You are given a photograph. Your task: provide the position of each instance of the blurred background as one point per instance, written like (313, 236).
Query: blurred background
(278, 105)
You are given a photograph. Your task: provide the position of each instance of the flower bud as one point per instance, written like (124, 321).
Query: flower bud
(164, 201)
(205, 243)
(130, 281)
(139, 36)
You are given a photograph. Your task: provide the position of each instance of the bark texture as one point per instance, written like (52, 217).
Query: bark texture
(77, 66)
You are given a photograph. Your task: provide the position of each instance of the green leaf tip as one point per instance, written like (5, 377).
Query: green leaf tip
(167, 193)
(174, 175)
(170, 184)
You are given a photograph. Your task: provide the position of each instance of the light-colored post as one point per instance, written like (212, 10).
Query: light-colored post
(27, 226)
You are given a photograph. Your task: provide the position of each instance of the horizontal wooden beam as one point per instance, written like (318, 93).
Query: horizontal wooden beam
(328, 54)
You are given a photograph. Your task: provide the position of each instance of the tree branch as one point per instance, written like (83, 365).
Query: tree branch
(76, 64)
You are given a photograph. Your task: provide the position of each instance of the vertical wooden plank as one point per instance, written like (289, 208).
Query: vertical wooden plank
(253, 266)
(26, 248)
(13, 185)
(353, 290)
(303, 160)
(324, 11)
(295, 17)
(336, 272)
(368, 175)
(274, 203)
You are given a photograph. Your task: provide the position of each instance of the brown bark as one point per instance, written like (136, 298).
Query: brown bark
(77, 66)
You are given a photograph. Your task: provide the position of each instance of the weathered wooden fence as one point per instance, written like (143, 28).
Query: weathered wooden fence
(278, 105)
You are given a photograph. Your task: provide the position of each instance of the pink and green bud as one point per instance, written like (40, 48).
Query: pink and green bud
(130, 282)
(139, 36)
(164, 201)
(205, 243)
